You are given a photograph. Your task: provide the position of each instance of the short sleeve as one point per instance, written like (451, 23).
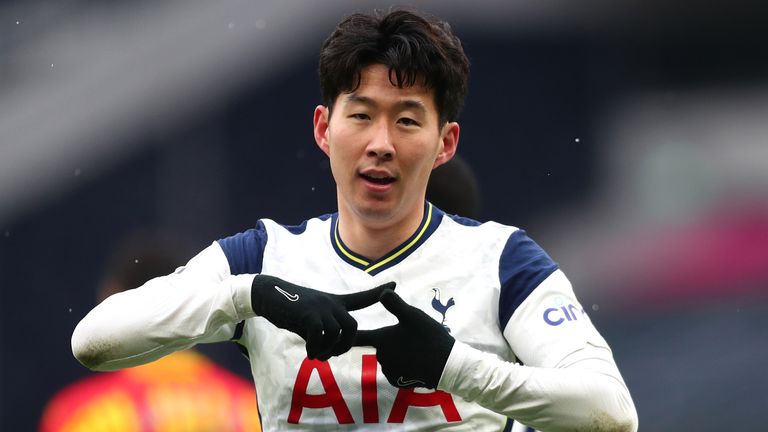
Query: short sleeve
(523, 266)
(245, 250)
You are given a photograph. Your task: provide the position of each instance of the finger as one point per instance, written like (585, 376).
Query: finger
(347, 337)
(365, 298)
(314, 337)
(396, 305)
(331, 331)
(369, 338)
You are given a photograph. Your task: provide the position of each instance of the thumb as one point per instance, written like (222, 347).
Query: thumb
(368, 337)
(396, 305)
(365, 298)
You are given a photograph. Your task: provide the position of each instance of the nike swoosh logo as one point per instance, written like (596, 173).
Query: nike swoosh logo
(289, 296)
(408, 383)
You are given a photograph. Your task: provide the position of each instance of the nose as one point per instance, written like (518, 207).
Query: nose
(380, 145)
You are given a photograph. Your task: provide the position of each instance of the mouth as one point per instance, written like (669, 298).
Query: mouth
(378, 178)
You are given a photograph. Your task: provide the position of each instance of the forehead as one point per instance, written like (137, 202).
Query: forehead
(376, 87)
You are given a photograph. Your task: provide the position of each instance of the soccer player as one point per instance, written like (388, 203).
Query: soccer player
(388, 314)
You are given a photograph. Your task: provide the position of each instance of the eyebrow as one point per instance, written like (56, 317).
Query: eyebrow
(407, 103)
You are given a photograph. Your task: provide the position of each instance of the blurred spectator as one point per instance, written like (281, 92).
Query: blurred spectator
(181, 392)
(453, 188)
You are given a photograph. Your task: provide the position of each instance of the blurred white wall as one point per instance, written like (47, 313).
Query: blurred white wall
(79, 79)
(671, 163)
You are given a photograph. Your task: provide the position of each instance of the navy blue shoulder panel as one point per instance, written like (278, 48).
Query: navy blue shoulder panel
(299, 229)
(522, 267)
(245, 251)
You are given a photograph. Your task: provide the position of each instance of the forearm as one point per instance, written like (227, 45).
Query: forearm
(587, 395)
(166, 314)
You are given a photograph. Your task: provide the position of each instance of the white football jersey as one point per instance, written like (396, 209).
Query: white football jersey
(525, 349)
(470, 277)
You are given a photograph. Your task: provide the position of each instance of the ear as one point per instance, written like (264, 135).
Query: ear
(449, 137)
(320, 122)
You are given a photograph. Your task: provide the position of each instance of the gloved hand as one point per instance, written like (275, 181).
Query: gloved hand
(413, 352)
(321, 319)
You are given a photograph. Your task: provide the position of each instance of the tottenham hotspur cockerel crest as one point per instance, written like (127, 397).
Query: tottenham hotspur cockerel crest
(438, 305)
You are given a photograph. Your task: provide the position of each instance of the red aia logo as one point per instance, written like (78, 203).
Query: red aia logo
(332, 398)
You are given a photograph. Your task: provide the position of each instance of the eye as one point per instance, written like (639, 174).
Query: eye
(408, 122)
(359, 116)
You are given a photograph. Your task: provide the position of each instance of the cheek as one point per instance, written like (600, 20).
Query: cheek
(422, 157)
(338, 166)
(342, 156)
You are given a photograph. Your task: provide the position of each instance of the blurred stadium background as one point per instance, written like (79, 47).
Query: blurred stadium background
(629, 138)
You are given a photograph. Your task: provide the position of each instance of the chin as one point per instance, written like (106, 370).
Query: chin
(377, 211)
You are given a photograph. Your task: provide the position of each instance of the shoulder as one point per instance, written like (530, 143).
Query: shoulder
(245, 250)
(493, 239)
(523, 266)
(517, 252)
(517, 245)
(478, 229)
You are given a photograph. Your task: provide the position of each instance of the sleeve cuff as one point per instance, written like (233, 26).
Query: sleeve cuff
(241, 294)
(461, 355)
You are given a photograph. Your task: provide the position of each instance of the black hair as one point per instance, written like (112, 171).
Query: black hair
(411, 44)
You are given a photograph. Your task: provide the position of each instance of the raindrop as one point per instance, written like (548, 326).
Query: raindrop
(577, 140)
(136, 261)
(18, 22)
(77, 172)
(70, 310)
(231, 26)
(595, 307)
(313, 188)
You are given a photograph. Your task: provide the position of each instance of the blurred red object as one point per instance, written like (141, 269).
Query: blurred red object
(181, 392)
(721, 254)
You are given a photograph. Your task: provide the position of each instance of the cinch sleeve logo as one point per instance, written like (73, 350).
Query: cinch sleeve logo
(563, 313)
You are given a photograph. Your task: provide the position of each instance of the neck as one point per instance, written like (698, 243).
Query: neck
(374, 239)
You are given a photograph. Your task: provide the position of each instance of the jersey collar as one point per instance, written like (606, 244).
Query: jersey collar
(429, 223)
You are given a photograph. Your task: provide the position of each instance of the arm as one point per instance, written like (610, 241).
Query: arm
(583, 396)
(203, 302)
(200, 302)
(570, 380)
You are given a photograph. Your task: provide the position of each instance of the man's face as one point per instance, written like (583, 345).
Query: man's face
(383, 142)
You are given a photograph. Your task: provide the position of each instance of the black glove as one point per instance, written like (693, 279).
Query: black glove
(320, 318)
(413, 352)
